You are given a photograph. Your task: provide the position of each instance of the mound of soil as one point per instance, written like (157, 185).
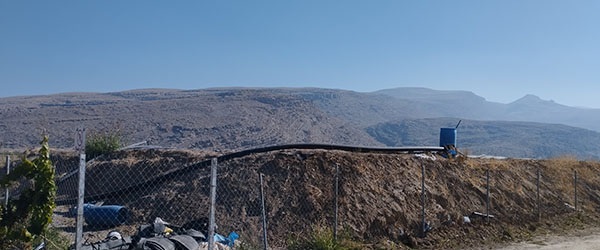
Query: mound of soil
(379, 200)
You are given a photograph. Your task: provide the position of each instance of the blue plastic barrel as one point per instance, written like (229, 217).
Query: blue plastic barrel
(110, 215)
(447, 137)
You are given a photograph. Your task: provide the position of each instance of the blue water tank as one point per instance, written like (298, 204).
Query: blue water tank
(447, 137)
(112, 215)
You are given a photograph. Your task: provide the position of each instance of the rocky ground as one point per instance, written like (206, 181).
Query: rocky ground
(379, 195)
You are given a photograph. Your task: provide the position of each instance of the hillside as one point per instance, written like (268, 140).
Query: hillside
(206, 119)
(500, 138)
(467, 105)
(241, 118)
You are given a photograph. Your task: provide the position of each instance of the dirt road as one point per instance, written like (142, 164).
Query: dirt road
(587, 239)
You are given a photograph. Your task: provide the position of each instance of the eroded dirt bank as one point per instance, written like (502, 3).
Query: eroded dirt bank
(379, 195)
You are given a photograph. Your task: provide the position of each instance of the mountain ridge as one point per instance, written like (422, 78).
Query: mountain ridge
(242, 118)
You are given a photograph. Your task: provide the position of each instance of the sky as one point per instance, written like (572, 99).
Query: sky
(500, 50)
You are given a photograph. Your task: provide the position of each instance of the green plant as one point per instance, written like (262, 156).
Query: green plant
(29, 215)
(53, 240)
(246, 246)
(102, 143)
(322, 238)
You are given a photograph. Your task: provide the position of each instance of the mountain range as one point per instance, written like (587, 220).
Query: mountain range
(225, 119)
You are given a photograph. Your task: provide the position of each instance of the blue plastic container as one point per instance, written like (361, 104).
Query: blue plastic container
(111, 215)
(447, 137)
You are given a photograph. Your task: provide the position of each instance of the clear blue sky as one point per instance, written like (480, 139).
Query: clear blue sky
(500, 50)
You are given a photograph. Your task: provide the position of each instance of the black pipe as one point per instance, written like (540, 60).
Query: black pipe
(203, 164)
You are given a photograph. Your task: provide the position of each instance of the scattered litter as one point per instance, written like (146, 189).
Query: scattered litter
(217, 246)
(114, 235)
(41, 246)
(466, 219)
(401, 232)
(426, 156)
(229, 241)
(483, 156)
(482, 214)
(162, 235)
(426, 228)
(569, 206)
(185, 242)
(114, 240)
(158, 220)
(157, 243)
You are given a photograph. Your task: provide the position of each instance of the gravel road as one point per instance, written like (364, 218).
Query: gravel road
(582, 240)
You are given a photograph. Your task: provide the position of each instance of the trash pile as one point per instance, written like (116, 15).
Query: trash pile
(161, 235)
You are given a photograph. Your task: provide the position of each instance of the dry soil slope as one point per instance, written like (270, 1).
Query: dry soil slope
(379, 195)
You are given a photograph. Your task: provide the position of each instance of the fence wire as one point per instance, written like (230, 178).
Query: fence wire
(303, 194)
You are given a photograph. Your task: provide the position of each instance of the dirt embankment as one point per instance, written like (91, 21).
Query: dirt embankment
(379, 195)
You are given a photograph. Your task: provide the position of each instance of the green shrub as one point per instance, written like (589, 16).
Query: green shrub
(28, 216)
(101, 143)
(54, 240)
(321, 238)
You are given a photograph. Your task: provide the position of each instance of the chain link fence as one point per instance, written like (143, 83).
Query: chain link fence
(286, 199)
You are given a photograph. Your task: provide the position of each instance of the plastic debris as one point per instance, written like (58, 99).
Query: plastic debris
(466, 219)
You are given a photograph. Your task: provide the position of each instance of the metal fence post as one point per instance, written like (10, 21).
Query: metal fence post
(423, 222)
(7, 193)
(335, 208)
(80, 145)
(264, 214)
(213, 193)
(487, 196)
(539, 205)
(575, 188)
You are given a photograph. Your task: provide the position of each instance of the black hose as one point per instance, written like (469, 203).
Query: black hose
(202, 164)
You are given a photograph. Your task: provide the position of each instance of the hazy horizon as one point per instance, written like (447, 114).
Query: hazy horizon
(258, 87)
